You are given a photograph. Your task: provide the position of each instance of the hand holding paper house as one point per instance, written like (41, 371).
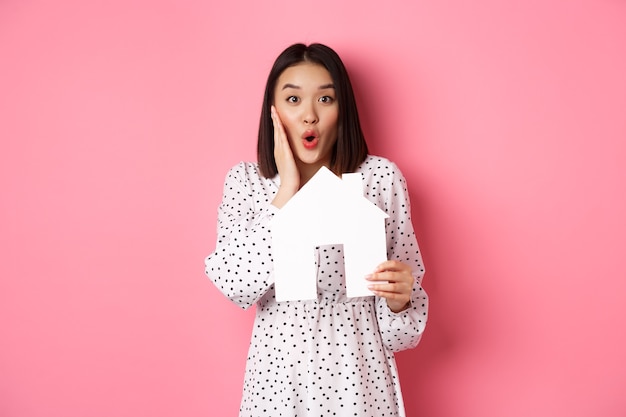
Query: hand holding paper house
(335, 212)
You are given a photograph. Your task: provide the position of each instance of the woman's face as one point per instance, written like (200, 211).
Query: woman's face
(306, 102)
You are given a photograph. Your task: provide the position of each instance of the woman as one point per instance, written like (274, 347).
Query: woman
(332, 355)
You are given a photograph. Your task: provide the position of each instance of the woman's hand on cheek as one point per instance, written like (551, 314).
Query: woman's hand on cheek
(285, 163)
(393, 281)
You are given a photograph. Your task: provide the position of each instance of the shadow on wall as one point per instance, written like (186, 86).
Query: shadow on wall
(458, 320)
(383, 113)
(421, 366)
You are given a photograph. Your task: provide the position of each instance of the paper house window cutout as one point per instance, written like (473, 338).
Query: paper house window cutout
(327, 210)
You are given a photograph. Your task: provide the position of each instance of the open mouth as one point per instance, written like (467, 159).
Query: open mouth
(310, 142)
(310, 139)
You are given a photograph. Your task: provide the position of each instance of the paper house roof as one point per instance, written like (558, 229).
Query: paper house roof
(327, 210)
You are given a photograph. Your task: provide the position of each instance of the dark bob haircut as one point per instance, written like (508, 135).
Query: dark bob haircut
(350, 150)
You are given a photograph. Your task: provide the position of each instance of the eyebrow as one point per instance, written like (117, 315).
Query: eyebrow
(321, 87)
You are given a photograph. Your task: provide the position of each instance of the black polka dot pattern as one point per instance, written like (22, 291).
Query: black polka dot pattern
(327, 357)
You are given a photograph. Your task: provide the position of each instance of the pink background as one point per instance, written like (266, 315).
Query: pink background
(119, 119)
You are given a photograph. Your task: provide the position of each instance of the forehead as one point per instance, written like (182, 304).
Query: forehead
(305, 74)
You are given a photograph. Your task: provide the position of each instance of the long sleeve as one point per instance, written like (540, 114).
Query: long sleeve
(241, 265)
(294, 344)
(400, 331)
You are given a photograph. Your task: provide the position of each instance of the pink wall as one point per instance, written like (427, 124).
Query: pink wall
(119, 119)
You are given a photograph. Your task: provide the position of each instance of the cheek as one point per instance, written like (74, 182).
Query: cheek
(290, 129)
(287, 119)
(285, 111)
(332, 122)
(332, 117)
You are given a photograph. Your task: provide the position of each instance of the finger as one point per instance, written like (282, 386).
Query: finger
(392, 296)
(394, 299)
(391, 276)
(391, 287)
(279, 137)
(279, 130)
(275, 122)
(392, 265)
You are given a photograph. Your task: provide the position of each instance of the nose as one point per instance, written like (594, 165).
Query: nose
(310, 115)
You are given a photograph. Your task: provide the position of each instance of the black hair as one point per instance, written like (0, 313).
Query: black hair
(350, 149)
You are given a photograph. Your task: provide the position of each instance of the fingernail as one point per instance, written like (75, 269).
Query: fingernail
(368, 276)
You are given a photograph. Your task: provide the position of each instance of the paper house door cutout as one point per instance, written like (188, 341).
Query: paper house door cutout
(327, 210)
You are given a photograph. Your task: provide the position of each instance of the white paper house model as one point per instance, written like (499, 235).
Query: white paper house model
(327, 210)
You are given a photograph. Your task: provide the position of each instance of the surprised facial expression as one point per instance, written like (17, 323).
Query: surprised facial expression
(305, 100)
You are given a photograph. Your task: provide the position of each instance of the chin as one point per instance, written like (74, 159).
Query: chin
(311, 161)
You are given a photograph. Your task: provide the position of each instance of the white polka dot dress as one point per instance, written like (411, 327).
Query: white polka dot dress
(327, 357)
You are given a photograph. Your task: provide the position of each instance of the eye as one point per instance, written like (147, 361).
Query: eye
(326, 99)
(292, 99)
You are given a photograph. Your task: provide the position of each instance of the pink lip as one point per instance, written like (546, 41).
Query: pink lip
(310, 144)
(310, 139)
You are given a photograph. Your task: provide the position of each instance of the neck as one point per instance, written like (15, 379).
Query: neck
(307, 171)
